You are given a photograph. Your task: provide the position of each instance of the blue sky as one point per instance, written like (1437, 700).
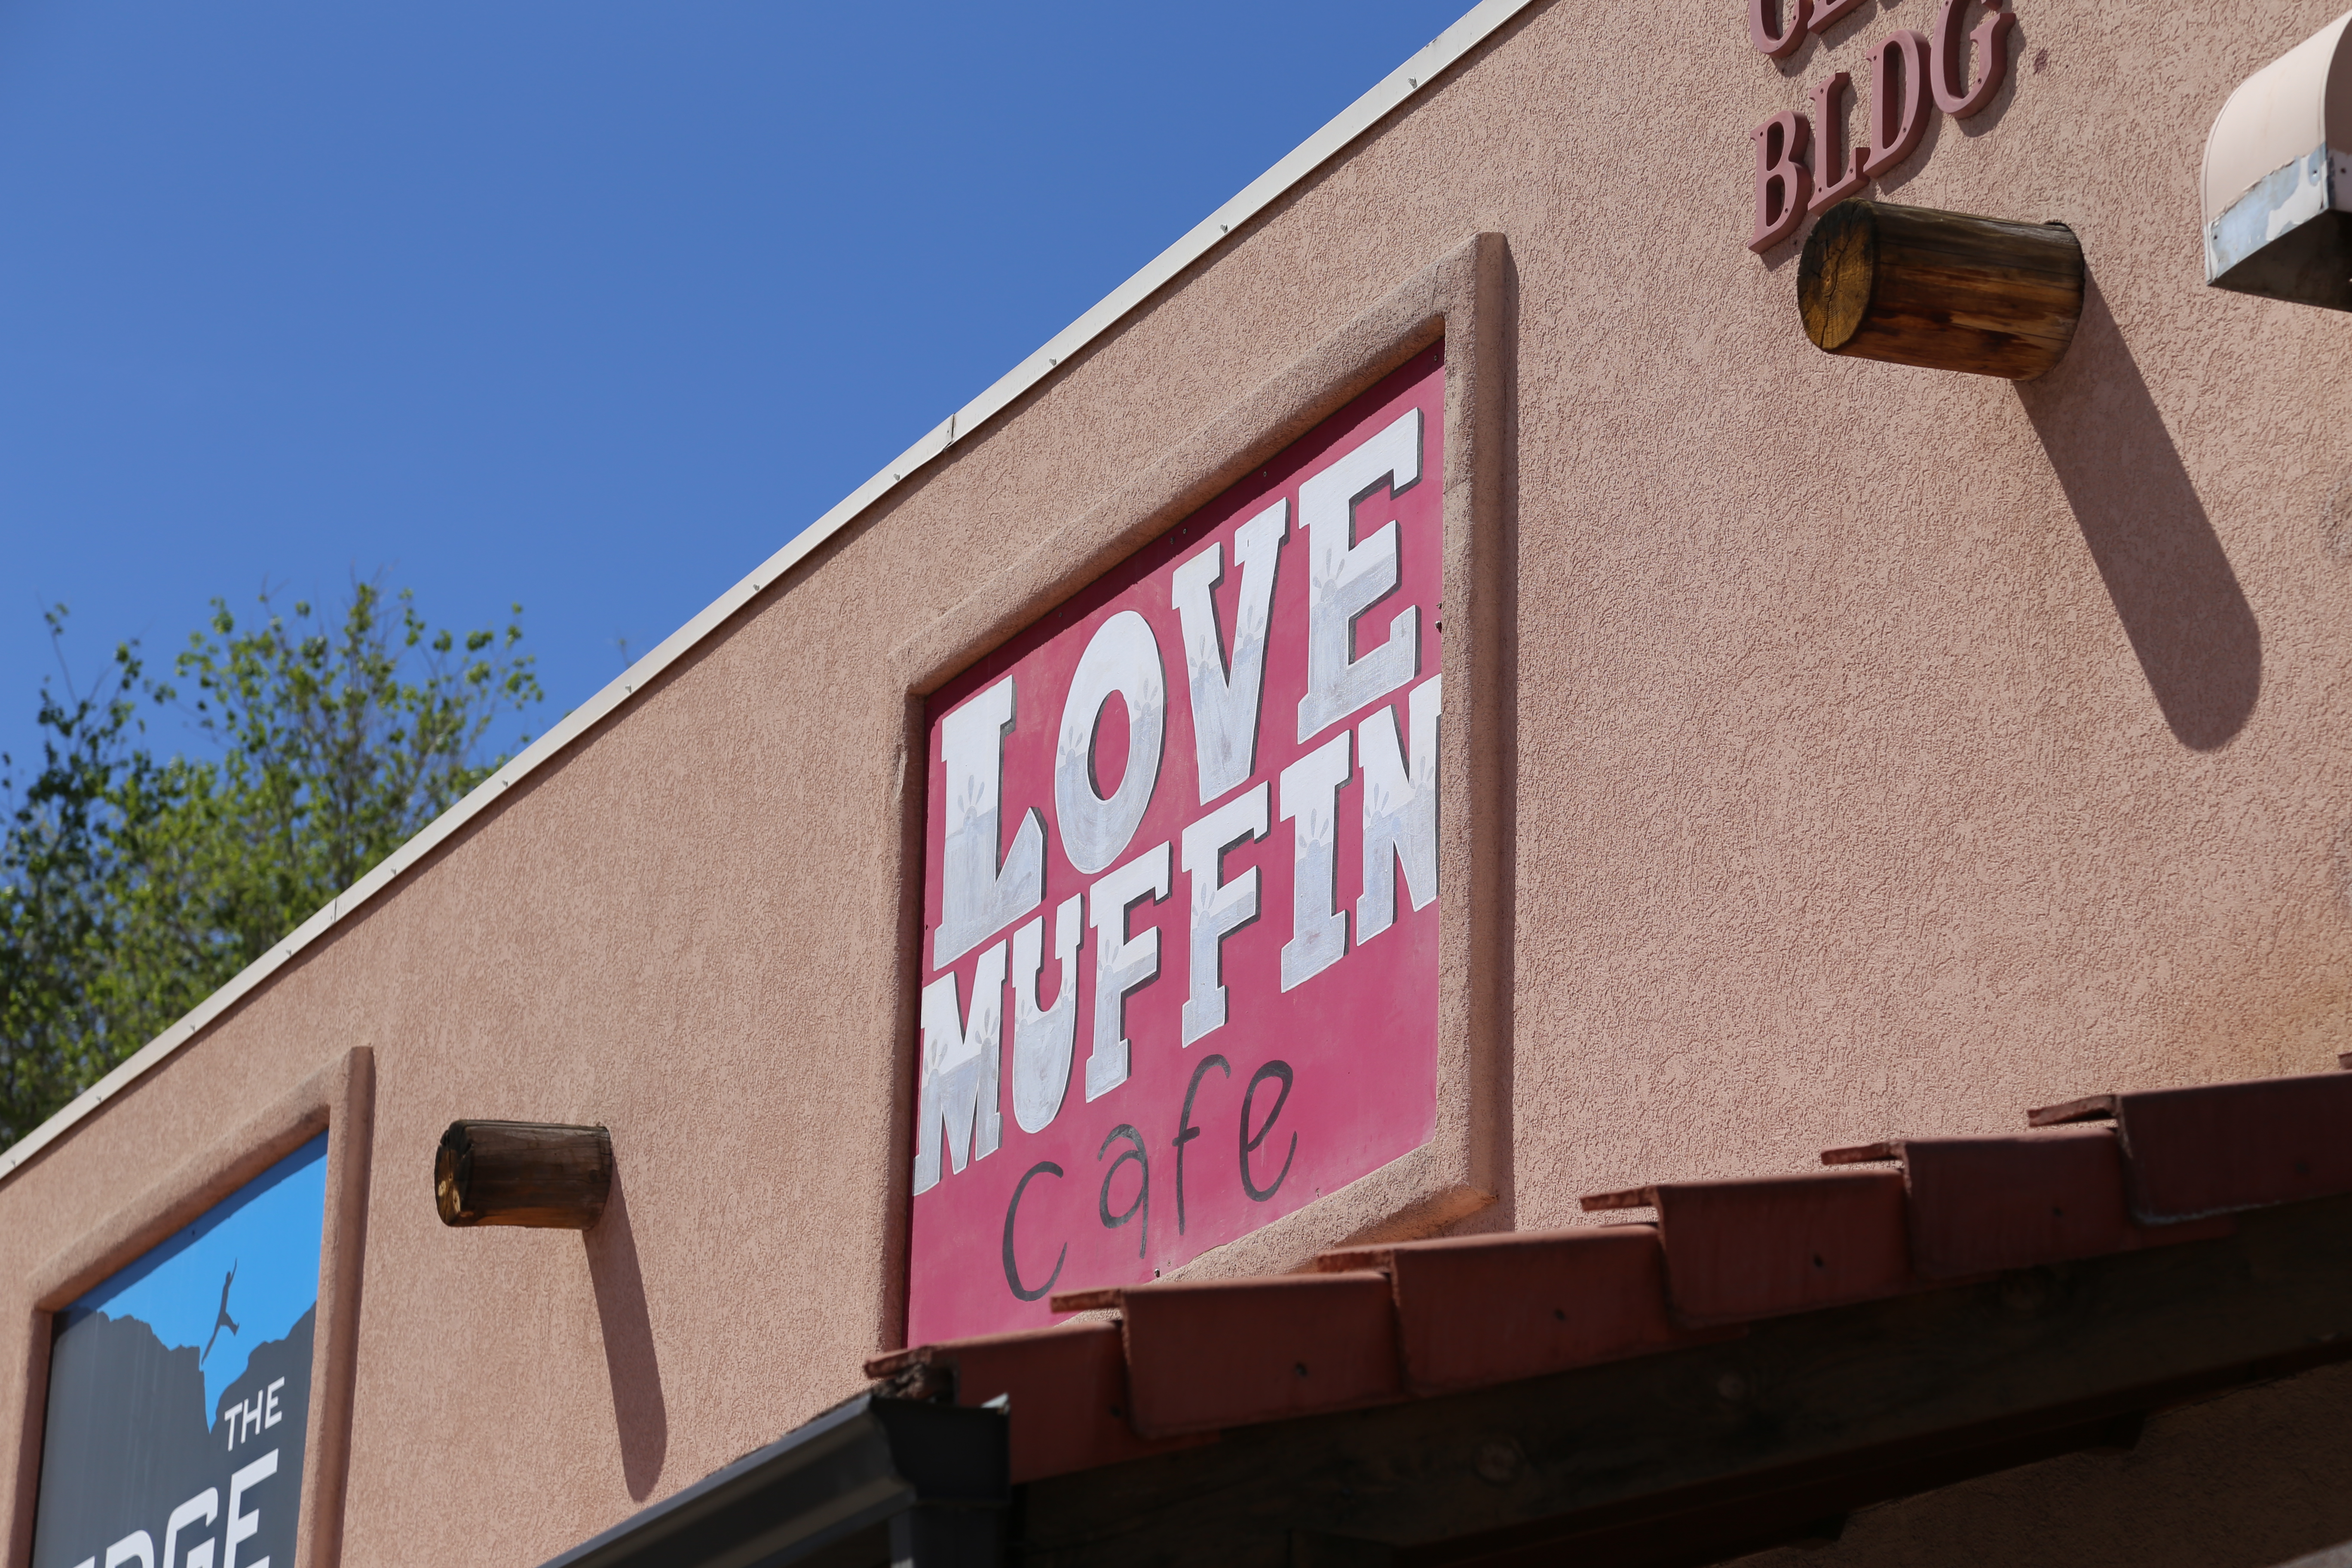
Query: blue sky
(268, 1232)
(584, 304)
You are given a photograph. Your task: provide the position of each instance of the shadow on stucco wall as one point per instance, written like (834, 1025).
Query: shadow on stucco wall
(638, 1409)
(2156, 550)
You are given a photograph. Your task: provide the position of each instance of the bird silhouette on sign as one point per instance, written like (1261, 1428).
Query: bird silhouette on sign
(224, 1321)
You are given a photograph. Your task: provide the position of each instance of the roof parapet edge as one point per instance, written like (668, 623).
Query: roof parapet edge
(1424, 66)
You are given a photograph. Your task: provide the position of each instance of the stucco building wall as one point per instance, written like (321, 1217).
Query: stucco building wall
(1895, 751)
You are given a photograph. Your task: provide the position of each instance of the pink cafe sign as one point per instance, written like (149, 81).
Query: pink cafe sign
(1179, 965)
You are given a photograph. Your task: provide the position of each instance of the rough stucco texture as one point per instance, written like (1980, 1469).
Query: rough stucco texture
(1895, 750)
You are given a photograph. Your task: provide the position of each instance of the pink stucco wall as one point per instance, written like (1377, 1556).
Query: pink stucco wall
(1895, 750)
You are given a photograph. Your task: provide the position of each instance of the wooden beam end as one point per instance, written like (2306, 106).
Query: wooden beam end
(544, 1175)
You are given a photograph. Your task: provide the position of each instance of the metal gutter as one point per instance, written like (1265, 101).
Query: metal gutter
(883, 1481)
(1392, 90)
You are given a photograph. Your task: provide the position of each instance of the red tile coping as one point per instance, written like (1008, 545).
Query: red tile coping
(1477, 1310)
(2226, 1146)
(1741, 1250)
(1980, 1206)
(1066, 1387)
(1377, 1324)
(1235, 1351)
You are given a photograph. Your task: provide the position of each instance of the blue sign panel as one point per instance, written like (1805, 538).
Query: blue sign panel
(180, 1391)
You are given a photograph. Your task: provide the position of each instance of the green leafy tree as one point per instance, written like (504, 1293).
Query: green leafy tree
(131, 885)
(56, 861)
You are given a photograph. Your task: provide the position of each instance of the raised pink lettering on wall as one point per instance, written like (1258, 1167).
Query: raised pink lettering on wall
(1838, 167)
(1784, 186)
(1949, 72)
(1956, 68)
(1772, 32)
(1898, 101)
(1180, 962)
(1826, 12)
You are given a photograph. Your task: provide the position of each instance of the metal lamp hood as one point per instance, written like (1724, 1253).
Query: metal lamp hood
(2277, 180)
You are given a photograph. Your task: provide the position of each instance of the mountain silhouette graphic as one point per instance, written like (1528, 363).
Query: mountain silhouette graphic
(131, 1439)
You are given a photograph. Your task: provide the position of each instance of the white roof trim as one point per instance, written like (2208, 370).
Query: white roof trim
(1350, 122)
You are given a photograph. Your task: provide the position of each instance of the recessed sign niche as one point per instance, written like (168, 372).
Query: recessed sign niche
(1179, 955)
(179, 1395)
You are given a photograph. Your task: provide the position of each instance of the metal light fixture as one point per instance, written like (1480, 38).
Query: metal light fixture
(2278, 178)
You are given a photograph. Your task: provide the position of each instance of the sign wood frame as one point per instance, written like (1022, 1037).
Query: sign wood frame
(340, 1101)
(1462, 302)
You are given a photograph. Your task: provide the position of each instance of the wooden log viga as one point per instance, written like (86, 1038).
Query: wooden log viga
(1943, 291)
(522, 1172)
